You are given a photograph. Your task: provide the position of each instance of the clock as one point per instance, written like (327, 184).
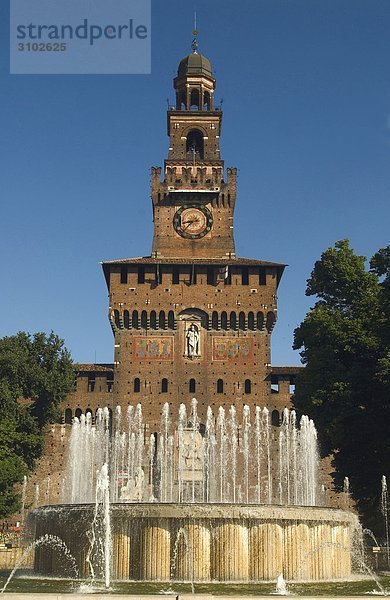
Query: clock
(192, 222)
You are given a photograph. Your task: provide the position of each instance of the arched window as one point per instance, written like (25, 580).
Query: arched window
(194, 100)
(137, 385)
(89, 412)
(214, 320)
(144, 320)
(220, 386)
(251, 321)
(206, 101)
(68, 416)
(275, 418)
(247, 386)
(224, 324)
(171, 320)
(116, 318)
(181, 101)
(241, 321)
(260, 320)
(233, 320)
(135, 320)
(126, 319)
(161, 319)
(164, 386)
(78, 413)
(195, 143)
(192, 386)
(270, 321)
(153, 320)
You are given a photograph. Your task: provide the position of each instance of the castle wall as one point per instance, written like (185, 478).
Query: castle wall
(234, 322)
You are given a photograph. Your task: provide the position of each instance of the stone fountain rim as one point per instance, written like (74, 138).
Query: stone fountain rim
(210, 511)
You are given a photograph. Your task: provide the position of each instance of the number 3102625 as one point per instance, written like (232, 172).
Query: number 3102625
(42, 47)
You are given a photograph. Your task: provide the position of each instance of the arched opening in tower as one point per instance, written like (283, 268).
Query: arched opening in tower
(206, 101)
(194, 100)
(195, 144)
(181, 101)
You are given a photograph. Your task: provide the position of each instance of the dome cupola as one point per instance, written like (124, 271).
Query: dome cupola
(194, 83)
(194, 65)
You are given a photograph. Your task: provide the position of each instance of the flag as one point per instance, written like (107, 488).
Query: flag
(223, 273)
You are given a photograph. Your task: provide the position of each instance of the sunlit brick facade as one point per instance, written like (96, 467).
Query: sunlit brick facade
(192, 319)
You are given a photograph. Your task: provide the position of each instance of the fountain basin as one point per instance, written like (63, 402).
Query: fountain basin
(206, 542)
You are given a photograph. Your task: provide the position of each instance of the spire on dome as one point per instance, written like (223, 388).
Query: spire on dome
(194, 44)
(195, 82)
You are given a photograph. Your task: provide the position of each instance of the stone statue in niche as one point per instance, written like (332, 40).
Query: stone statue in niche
(133, 490)
(192, 341)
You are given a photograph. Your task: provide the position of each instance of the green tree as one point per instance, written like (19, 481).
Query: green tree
(345, 387)
(36, 374)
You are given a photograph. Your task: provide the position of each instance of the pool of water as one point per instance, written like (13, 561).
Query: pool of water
(358, 587)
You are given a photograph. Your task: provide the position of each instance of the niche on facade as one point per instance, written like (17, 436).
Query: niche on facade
(192, 328)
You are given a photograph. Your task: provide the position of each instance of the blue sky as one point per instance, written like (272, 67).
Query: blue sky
(306, 97)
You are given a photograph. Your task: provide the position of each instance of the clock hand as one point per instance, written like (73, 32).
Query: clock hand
(188, 223)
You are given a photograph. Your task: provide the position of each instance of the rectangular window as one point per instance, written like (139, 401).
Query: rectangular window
(193, 275)
(91, 383)
(158, 274)
(210, 276)
(245, 276)
(175, 275)
(262, 277)
(141, 274)
(124, 274)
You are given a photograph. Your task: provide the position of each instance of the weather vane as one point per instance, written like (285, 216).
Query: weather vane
(195, 33)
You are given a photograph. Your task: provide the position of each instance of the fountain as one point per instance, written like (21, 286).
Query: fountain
(230, 500)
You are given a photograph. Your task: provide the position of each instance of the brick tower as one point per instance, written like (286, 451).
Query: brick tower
(192, 319)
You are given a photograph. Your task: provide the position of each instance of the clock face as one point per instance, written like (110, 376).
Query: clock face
(192, 221)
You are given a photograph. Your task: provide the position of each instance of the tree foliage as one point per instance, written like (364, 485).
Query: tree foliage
(345, 345)
(36, 374)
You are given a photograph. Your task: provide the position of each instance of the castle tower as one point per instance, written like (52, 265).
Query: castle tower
(192, 319)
